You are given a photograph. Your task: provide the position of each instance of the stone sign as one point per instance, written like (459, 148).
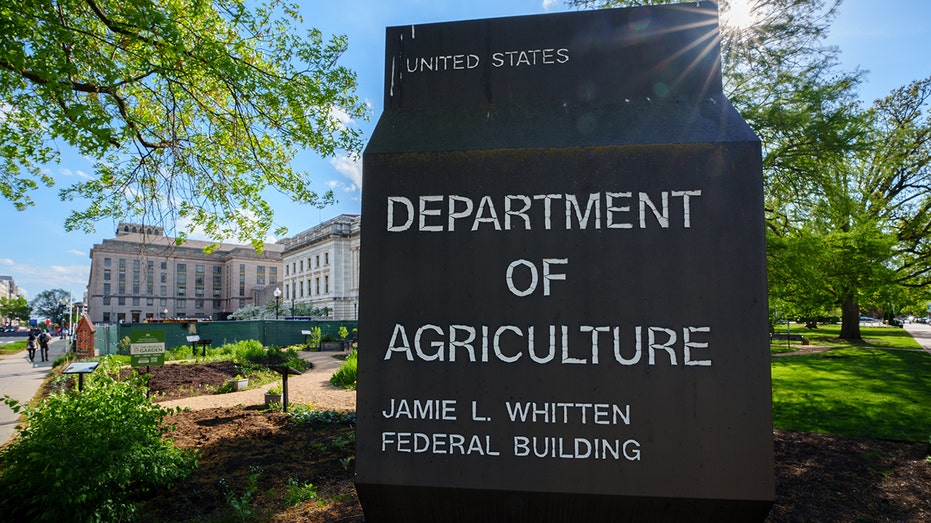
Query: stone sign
(563, 310)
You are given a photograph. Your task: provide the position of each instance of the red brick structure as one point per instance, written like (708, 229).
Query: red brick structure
(84, 337)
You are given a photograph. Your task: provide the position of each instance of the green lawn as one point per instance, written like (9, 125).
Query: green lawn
(10, 348)
(880, 388)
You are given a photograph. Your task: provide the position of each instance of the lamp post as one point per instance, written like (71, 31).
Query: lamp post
(61, 317)
(277, 300)
(165, 314)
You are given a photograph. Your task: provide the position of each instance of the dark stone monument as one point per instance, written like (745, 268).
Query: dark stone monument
(563, 312)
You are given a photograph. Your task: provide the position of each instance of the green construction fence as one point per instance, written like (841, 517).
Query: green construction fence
(280, 333)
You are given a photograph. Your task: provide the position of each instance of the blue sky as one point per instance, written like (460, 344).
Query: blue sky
(886, 38)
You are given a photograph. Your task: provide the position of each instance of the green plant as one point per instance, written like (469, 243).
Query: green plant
(83, 456)
(123, 346)
(242, 503)
(345, 376)
(274, 390)
(299, 492)
(343, 332)
(304, 413)
(315, 336)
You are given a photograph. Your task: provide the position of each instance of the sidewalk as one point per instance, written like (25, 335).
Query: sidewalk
(21, 379)
(922, 334)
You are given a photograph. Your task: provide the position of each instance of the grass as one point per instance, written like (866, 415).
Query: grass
(878, 388)
(12, 348)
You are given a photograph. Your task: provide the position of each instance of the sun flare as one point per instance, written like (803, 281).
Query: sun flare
(739, 15)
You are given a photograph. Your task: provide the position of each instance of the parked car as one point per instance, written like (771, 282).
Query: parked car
(869, 319)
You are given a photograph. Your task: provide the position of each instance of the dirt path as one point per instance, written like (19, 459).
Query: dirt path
(313, 386)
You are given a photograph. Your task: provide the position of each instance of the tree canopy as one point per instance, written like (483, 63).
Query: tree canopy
(191, 109)
(52, 304)
(14, 309)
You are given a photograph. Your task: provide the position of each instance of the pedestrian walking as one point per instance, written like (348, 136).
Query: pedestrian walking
(31, 345)
(44, 340)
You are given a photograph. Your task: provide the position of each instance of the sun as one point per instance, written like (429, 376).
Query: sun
(739, 15)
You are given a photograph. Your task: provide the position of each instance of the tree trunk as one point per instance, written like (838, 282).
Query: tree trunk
(850, 319)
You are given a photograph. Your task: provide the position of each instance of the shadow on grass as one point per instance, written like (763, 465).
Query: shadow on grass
(856, 390)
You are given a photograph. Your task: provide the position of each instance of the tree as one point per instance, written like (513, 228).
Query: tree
(17, 309)
(191, 109)
(52, 304)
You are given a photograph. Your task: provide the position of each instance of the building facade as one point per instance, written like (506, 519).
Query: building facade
(321, 268)
(141, 274)
(8, 288)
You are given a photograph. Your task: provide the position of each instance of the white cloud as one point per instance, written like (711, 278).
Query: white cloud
(33, 279)
(351, 168)
(548, 4)
(65, 171)
(76, 252)
(82, 174)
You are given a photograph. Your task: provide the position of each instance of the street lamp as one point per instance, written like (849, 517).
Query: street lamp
(165, 314)
(61, 317)
(277, 300)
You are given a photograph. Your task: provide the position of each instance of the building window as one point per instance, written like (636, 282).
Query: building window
(326, 285)
(317, 286)
(164, 266)
(180, 303)
(106, 300)
(135, 302)
(326, 258)
(302, 265)
(199, 282)
(260, 275)
(106, 274)
(106, 288)
(318, 261)
(272, 275)
(181, 279)
(106, 317)
(121, 301)
(149, 302)
(242, 280)
(302, 288)
(198, 304)
(106, 262)
(162, 302)
(286, 269)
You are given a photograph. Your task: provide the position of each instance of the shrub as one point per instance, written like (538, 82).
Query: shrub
(345, 376)
(124, 346)
(83, 456)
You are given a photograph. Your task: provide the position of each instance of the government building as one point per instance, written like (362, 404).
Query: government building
(321, 267)
(142, 274)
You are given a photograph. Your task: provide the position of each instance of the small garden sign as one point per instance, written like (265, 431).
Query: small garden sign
(147, 348)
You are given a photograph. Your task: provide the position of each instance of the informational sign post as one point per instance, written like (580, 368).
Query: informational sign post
(147, 348)
(563, 310)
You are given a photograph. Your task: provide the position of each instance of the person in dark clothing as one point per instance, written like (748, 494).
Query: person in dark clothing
(44, 340)
(31, 345)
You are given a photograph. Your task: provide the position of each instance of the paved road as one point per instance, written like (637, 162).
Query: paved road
(20, 380)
